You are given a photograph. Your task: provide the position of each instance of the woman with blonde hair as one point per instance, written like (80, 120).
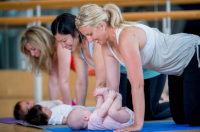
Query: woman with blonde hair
(137, 46)
(44, 54)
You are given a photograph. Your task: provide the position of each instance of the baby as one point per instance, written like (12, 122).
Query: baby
(39, 115)
(109, 113)
(21, 108)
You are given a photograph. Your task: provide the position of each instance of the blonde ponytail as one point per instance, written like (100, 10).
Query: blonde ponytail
(92, 14)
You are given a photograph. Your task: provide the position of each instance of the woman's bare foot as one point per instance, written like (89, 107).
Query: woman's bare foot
(165, 98)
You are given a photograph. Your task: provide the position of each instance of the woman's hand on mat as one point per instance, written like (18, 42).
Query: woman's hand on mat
(130, 129)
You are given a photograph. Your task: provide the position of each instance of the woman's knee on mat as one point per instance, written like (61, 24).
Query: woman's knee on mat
(192, 118)
(194, 121)
(160, 112)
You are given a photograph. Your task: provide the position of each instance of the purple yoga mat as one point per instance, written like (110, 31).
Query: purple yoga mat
(9, 120)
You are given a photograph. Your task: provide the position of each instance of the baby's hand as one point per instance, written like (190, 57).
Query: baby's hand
(99, 91)
(112, 94)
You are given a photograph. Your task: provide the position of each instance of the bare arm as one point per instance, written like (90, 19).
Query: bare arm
(53, 83)
(112, 67)
(112, 75)
(64, 61)
(129, 47)
(81, 78)
(100, 71)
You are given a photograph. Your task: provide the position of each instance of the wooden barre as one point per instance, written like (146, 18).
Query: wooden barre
(63, 4)
(149, 16)
(174, 15)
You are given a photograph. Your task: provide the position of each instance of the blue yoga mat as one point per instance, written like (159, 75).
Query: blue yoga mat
(148, 127)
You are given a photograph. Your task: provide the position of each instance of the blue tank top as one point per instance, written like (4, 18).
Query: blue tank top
(90, 46)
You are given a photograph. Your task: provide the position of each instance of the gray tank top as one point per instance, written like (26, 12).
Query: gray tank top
(166, 54)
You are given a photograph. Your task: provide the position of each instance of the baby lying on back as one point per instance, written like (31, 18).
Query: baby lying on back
(22, 107)
(39, 115)
(109, 113)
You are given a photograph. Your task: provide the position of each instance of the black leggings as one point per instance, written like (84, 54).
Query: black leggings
(153, 89)
(122, 87)
(184, 95)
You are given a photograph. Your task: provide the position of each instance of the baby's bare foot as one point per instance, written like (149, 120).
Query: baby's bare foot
(99, 91)
(112, 94)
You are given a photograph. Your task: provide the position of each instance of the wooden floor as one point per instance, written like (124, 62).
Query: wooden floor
(18, 128)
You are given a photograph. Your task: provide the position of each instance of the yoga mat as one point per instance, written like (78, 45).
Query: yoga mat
(148, 127)
(9, 120)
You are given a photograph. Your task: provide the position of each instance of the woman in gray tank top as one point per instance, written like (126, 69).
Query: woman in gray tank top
(140, 47)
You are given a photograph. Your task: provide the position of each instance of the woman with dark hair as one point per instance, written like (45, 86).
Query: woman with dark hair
(85, 53)
(67, 35)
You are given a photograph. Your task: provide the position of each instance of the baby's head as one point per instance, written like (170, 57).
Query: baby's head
(21, 109)
(38, 115)
(78, 119)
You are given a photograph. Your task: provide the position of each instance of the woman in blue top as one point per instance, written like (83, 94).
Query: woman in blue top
(66, 34)
(64, 30)
(85, 53)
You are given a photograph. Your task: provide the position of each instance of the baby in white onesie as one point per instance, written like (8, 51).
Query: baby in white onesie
(39, 115)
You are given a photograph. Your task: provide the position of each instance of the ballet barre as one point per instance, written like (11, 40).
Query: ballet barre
(137, 16)
(64, 4)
